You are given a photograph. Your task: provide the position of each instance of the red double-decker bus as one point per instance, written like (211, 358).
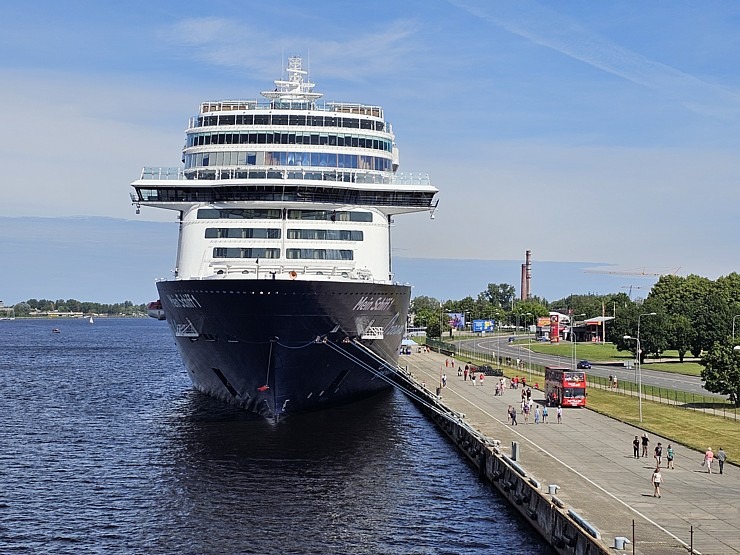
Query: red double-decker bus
(565, 387)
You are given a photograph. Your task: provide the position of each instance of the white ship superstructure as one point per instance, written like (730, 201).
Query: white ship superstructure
(286, 188)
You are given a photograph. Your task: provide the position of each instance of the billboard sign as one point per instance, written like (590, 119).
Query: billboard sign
(483, 326)
(554, 328)
(456, 320)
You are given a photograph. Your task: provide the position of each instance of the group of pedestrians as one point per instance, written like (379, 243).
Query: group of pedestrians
(469, 372)
(657, 477)
(540, 414)
(710, 457)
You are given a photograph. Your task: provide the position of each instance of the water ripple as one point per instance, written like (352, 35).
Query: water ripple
(106, 448)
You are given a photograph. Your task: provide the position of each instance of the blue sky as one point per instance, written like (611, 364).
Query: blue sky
(587, 132)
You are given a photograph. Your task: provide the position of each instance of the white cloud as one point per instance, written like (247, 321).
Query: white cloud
(236, 44)
(76, 150)
(548, 28)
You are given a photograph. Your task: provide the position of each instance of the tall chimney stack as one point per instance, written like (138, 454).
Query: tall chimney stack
(523, 283)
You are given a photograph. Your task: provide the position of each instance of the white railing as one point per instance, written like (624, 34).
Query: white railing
(226, 173)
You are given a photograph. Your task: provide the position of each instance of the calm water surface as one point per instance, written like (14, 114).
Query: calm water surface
(105, 448)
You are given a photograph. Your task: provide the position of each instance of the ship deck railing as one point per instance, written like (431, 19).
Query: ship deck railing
(281, 271)
(248, 105)
(215, 174)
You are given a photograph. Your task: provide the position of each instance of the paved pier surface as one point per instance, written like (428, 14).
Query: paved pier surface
(590, 458)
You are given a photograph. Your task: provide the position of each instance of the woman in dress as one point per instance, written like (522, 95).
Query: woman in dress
(656, 479)
(708, 458)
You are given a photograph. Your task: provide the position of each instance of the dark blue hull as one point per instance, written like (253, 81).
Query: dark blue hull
(277, 347)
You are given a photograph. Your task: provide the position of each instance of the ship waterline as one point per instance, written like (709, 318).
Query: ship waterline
(277, 347)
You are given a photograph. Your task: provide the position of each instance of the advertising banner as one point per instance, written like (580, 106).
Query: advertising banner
(484, 326)
(456, 320)
(554, 328)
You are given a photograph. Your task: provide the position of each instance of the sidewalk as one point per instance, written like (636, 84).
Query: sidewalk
(590, 457)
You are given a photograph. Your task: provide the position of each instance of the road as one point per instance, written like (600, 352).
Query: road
(668, 380)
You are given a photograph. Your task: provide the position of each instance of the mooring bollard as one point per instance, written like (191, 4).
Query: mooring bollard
(620, 542)
(552, 489)
(514, 450)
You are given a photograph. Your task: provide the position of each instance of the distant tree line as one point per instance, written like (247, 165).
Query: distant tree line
(691, 315)
(125, 308)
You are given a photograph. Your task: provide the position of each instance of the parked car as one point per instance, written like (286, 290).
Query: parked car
(584, 365)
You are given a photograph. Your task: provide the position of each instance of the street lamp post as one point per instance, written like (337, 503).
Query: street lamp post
(639, 374)
(733, 326)
(639, 361)
(573, 339)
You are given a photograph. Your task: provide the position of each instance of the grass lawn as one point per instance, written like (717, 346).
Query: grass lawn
(687, 427)
(588, 351)
(686, 368)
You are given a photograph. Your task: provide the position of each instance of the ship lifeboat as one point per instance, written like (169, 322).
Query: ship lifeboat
(154, 310)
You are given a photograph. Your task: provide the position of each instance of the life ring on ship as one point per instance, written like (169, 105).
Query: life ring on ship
(292, 274)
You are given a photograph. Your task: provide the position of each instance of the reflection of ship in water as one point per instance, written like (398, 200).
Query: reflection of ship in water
(357, 437)
(154, 310)
(284, 298)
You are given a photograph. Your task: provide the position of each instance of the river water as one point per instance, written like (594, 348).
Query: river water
(106, 448)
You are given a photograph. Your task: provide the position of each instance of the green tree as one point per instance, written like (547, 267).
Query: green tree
(434, 328)
(424, 302)
(680, 334)
(721, 372)
(500, 295)
(22, 309)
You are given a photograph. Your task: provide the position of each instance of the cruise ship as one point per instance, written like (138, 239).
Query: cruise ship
(283, 298)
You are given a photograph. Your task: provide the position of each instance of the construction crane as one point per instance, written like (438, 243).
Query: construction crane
(637, 272)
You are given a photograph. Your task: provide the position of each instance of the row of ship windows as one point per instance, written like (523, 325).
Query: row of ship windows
(290, 119)
(319, 159)
(356, 141)
(290, 254)
(280, 214)
(274, 233)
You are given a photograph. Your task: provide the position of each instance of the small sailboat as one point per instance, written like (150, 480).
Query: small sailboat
(91, 320)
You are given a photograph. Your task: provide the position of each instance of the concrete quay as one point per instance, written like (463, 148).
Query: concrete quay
(590, 458)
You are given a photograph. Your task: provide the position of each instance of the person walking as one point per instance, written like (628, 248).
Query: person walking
(656, 479)
(480, 379)
(513, 416)
(721, 458)
(669, 457)
(560, 414)
(544, 414)
(708, 458)
(658, 454)
(465, 374)
(645, 443)
(636, 447)
(537, 414)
